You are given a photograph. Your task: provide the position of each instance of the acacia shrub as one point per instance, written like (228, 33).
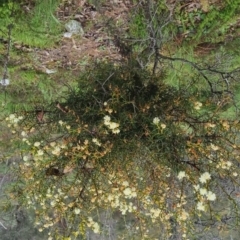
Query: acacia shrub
(125, 140)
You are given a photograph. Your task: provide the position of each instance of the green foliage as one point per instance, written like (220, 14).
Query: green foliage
(211, 25)
(37, 27)
(23, 83)
(138, 26)
(134, 97)
(6, 10)
(43, 27)
(43, 19)
(150, 22)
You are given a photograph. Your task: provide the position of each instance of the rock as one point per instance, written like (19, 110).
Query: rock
(49, 71)
(75, 27)
(67, 34)
(4, 82)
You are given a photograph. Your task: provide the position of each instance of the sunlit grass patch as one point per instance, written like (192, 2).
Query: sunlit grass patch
(41, 29)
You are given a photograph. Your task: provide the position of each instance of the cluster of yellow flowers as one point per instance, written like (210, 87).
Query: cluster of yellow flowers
(182, 175)
(224, 164)
(197, 105)
(148, 196)
(93, 225)
(203, 192)
(204, 178)
(156, 121)
(111, 125)
(61, 123)
(225, 125)
(210, 125)
(96, 141)
(214, 147)
(13, 119)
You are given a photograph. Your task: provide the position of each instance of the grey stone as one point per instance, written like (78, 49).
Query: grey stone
(74, 27)
(49, 71)
(67, 35)
(4, 82)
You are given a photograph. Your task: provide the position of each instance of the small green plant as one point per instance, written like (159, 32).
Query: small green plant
(138, 26)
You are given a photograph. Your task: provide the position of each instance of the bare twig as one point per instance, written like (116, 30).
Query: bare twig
(102, 84)
(200, 70)
(2, 180)
(5, 68)
(3, 226)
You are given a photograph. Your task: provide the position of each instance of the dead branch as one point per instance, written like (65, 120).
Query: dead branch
(7, 57)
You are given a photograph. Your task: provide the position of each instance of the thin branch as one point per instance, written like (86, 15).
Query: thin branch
(198, 68)
(2, 180)
(102, 84)
(5, 67)
(3, 226)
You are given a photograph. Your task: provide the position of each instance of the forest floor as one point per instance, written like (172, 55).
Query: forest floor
(97, 43)
(103, 22)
